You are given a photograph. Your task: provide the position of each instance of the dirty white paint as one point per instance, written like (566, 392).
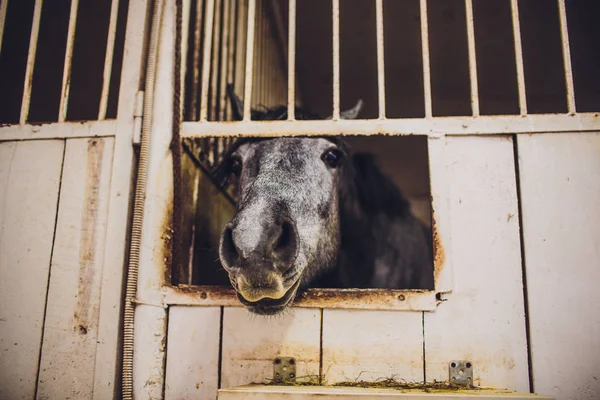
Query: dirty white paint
(483, 319)
(63, 130)
(366, 345)
(108, 358)
(251, 343)
(193, 357)
(29, 182)
(560, 194)
(72, 313)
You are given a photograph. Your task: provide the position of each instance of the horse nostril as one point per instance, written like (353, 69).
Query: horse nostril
(285, 247)
(227, 249)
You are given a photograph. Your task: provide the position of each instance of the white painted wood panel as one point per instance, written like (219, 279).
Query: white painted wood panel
(29, 185)
(193, 353)
(483, 318)
(371, 345)
(71, 327)
(250, 343)
(560, 194)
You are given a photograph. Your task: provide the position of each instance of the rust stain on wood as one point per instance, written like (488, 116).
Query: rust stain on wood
(439, 256)
(314, 298)
(167, 242)
(86, 312)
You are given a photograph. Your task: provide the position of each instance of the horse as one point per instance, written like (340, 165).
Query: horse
(311, 214)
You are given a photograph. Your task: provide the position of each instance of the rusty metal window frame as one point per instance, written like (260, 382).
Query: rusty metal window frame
(436, 129)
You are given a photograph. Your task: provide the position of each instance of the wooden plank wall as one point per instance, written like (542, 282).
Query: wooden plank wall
(560, 194)
(483, 320)
(29, 182)
(54, 206)
(73, 306)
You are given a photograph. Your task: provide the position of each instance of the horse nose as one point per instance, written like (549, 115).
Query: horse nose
(228, 251)
(271, 246)
(284, 245)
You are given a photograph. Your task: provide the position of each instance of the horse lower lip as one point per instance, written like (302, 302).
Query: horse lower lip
(271, 306)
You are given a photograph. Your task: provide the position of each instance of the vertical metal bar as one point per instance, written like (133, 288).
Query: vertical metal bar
(3, 7)
(514, 4)
(214, 82)
(269, 70)
(280, 51)
(262, 52)
(240, 46)
(230, 54)
(472, 58)
(195, 89)
(380, 58)
(186, 47)
(425, 53)
(33, 39)
(564, 34)
(208, 30)
(224, 60)
(257, 64)
(336, 59)
(291, 81)
(266, 66)
(108, 58)
(249, 58)
(66, 79)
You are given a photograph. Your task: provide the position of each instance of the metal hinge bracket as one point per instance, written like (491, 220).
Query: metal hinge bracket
(460, 372)
(284, 369)
(138, 114)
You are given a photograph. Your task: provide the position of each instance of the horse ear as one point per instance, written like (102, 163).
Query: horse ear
(237, 105)
(351, 113)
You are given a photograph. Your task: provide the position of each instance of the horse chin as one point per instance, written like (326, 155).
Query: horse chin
(268, 306)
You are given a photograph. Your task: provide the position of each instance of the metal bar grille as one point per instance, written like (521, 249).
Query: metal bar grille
(108, 58)
(291, 60)
(336, 59)
(208, 30)
(197, 47)
(472, 58)
(215, 62)
(33, 41)
(249, 59)
(564, 34)
(3, 7)
(230, 54)
(519, 57)
(425, 53)
(380, 59)
(64, 96)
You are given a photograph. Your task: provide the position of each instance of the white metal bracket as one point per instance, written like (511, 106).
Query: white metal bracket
(138, 114)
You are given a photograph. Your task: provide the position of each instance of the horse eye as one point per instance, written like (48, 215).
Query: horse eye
(332, 157)
(236, 166)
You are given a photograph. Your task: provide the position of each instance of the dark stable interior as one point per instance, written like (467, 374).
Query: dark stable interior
(402, 158)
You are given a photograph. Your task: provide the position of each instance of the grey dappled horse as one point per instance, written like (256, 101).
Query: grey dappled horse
(309, 214)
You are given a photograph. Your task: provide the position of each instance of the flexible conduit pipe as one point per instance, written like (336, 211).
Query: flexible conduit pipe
(138, 205)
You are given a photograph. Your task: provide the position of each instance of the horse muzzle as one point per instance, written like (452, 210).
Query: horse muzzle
(269, 305)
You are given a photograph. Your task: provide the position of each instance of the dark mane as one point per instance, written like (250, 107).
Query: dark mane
(280, 113)
(363, 182)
